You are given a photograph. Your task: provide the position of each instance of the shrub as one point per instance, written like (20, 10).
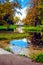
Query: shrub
(7, 49)
(38, 58)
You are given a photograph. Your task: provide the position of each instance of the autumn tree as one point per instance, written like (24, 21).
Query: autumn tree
(7, 11)
(37, 37)
(35, 18)
(32, 14)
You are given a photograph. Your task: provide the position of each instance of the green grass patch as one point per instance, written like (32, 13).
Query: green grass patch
(37, 57)
(7, 49)
(10, 36)
(10, 26)
(33, 28)
(26, 28)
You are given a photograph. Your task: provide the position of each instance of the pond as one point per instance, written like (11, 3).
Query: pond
(20, 43)
(19, 46)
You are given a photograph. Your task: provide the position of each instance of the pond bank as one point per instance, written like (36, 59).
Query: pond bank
(28, 51)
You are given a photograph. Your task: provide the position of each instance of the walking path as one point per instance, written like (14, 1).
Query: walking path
(7, 58)
(2, 51)
(11, 59)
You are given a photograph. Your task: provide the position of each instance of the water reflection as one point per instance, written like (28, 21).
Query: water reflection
(19, 43)
(19, 46)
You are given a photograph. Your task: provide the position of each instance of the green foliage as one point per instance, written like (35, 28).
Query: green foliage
(3, 39)
(6, 9)
(38, 58)
(42, 22)
(16, 19)
(7, 49)
(41, 14)
(10, 26)
(13, 36)
(33, 29)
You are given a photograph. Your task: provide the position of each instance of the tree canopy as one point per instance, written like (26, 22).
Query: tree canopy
(7, 11)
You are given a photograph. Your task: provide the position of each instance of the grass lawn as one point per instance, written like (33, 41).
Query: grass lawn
(10, 36)
(25, 27)
(33, 28)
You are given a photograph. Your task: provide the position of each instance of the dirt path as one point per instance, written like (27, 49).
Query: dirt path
(16, 60)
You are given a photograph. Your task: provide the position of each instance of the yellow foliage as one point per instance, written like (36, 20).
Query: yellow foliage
(7, 8)
(16, 19)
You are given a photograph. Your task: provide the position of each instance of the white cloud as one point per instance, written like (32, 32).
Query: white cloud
(22, 0)
(23, 11)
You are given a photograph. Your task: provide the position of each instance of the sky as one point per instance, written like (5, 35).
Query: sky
(23, 11)
(22, 2)
(24, 7)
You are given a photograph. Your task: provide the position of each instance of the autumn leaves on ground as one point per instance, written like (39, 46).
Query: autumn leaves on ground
(31, 28)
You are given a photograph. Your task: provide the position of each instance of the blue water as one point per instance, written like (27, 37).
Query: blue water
(19, 43)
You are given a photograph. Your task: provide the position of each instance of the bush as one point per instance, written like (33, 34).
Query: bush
(3, 38)
(7, 49)
(38, 58)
